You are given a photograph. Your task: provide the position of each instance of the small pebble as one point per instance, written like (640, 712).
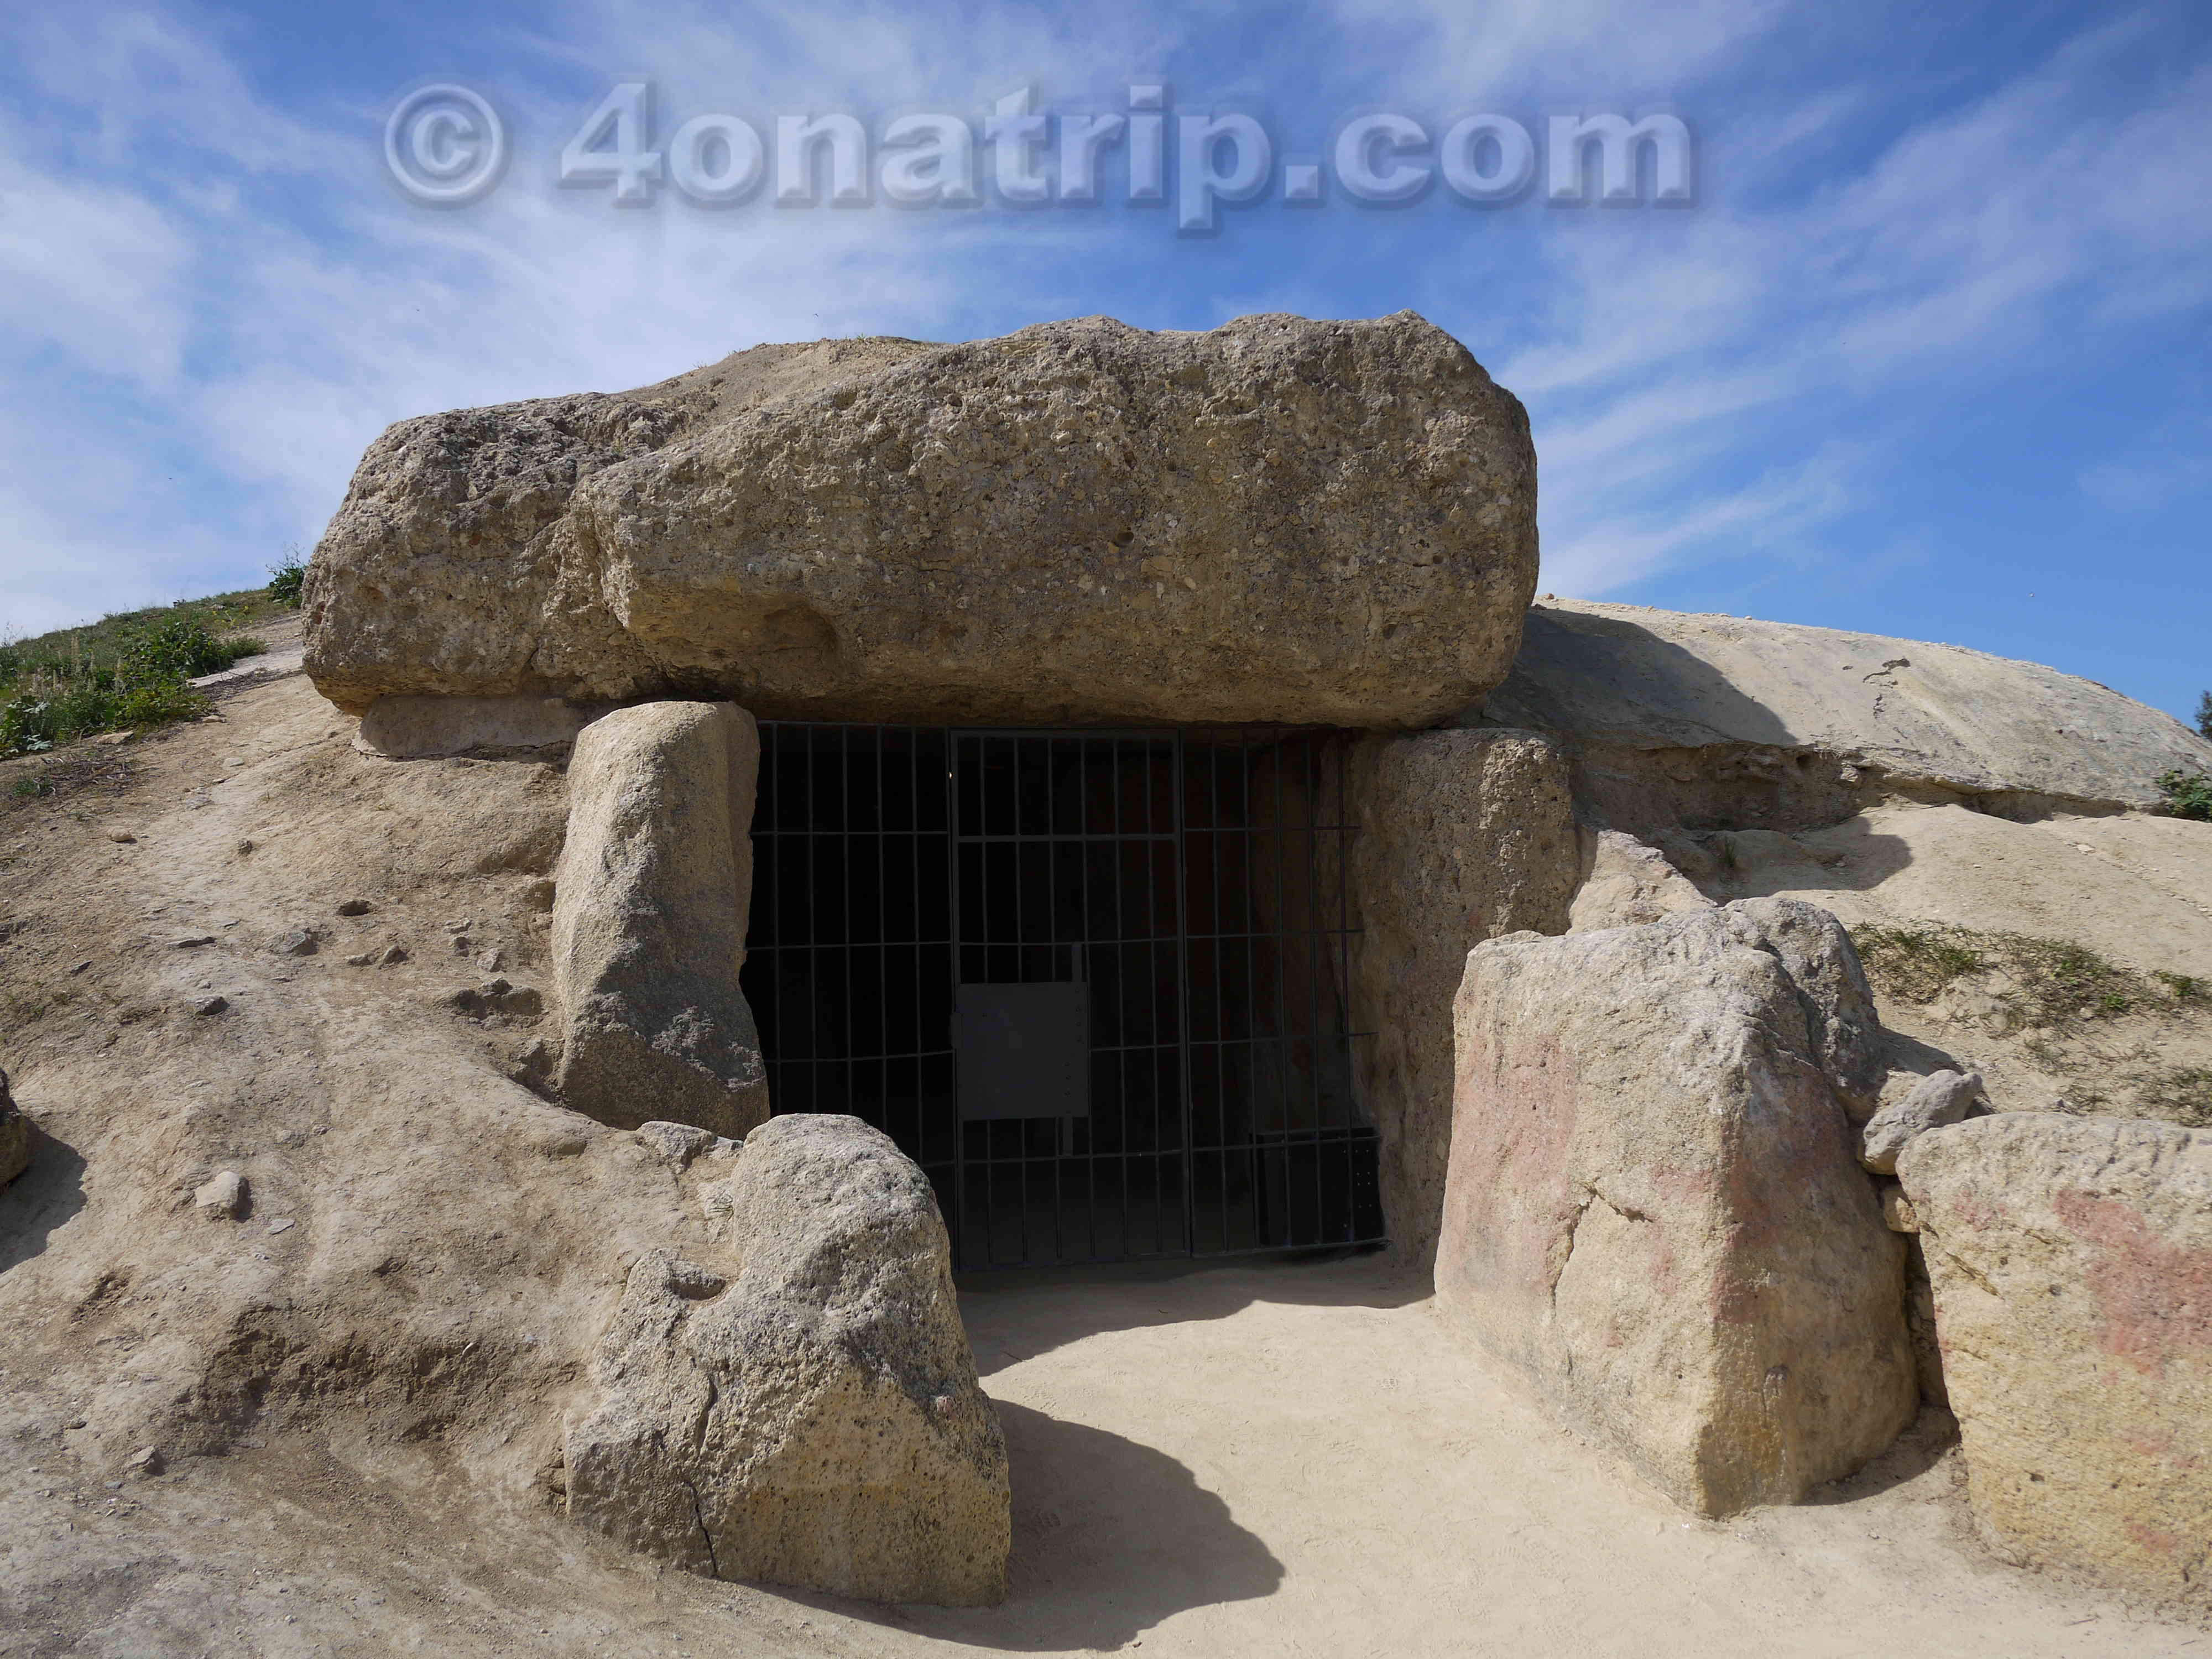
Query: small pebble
(243, 848)
(211, 1005)
(121, 838)
(191, 941)
(356, 906)
(281, 1224)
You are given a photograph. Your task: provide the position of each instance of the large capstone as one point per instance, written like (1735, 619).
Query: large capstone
(1654, 1209)
(800, 1408)
(1279, 521)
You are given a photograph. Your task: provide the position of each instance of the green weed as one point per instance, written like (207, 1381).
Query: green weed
(60, 688)
(2180, 1094)
(2187, 796)
(1918, 963)
(285, 580)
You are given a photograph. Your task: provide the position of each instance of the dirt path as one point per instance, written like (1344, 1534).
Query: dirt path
(1274, 1460)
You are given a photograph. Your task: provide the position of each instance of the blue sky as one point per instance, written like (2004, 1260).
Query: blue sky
(1928, 353)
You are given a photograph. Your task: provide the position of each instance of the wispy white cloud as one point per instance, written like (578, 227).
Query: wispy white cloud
(2165, 473)
(1971, 243)
(1599, 49)
(91, 272)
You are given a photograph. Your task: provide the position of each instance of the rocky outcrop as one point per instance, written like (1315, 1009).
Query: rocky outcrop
(1941, 1098)
(808, 1413)
(1316, 522)
(14, 1136)
(1463, 836)
(1625, 884)
(649, 908)
(1723, 722)
(2072, 1265)
(1654, 1209)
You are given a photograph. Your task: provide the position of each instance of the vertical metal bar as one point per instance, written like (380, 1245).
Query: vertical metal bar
(1064, 1126)
(1121, 990)
(777, 1089)
(1345, 838)
(1221, 1003)
(1092, 1024)
(1021, 973)
(952, 786)
(1285, 1053)
(884, 1047)
(1252, 1155)
(1312, 963)
(1182, 895)
(813, 958)
(1151, 893)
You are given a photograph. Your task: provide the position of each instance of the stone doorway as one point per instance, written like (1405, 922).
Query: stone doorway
(1095, 982)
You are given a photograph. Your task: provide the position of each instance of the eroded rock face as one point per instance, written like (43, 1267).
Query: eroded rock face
(649, 909)
(1718, 722)
(808, 1413)
(2072, 1265)
(1653, 1208)
(1463, 836)
(1281, 519)
(1625, 883)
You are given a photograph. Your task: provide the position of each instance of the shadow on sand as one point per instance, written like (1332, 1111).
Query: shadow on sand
(39, 1200)
(1015, 1315)
(1112, 1537)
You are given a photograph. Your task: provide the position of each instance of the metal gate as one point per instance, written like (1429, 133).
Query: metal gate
(1096, 983)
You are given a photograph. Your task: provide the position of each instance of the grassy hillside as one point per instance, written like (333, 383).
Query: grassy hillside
(125, 671)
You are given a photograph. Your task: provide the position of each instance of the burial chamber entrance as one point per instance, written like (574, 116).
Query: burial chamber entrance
(1094, 982)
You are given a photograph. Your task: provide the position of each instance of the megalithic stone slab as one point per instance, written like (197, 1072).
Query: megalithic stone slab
(2072, 1265)
(649, 909)
(1653, 1208)
(806, 1413)
(1279, 520)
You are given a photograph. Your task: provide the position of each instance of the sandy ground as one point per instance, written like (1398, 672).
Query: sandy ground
(2135, 889)
(1280, 1459)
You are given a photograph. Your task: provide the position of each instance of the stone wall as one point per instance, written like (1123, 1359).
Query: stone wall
(1463, 836)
